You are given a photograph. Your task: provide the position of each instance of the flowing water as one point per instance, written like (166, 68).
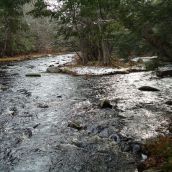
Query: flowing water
(35, 113)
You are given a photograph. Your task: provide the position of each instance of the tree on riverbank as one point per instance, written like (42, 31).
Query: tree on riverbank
(101, 30)
(13, 27)
(20, 33)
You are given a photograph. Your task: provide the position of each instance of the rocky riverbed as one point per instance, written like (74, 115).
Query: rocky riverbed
(55, 122)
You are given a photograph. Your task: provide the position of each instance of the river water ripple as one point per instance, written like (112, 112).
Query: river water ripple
(35, 112)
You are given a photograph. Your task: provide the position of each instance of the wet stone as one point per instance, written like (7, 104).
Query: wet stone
(27, 132)
(148, 88)
(33, 75)
(25, 92)
(53, 69)
(3, 87)
(13, 111)
(104, 133)
(36, 126)
(43, 106)
(164, 72)
(169, 103)
(136, 148)
(105, 104)
(76, 125)
(116, 138)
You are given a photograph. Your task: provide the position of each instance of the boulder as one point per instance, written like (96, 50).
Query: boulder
(169, 102)
(53, 69)
(148, 88)
(105, 104)
(164, 72)
(33, 75)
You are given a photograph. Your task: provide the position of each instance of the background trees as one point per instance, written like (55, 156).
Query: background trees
(20, 32)
(101, 30)
(120, 28)
(12, 26)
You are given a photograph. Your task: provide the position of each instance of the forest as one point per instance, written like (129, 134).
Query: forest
(85, 85)
(101, 30)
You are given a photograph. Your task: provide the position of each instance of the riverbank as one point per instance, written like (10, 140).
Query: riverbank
(159, 152)
(72, 66)
(31, 56)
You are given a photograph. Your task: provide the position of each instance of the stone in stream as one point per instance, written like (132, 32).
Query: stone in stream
(25, 92)
(3, 87)
(35, 126)
(12, 111)
(148, 88)
(53, 69)
(169, 102)
(164, 72)
(76, 125)
(27, 132)
(104, 133)
(105, 104)
(136, 148)
(42, 105)
(116, 138)
(33, 75)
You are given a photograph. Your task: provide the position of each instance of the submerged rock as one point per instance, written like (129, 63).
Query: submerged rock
(148, 88)
(27, 132)
(105, 104)
(25, 92)
(33, 75)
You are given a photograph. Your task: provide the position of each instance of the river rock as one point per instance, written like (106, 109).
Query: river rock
(76, 125)
(25, 92)
(136, 148)
(27, 132)
(35, 126)
(105, 104)
(116, 138)
(104, 133)
(148, 88)
(3, 87)
(42, 105)
(164, 72)
(169, 102)
(33, 75)
(53, 69)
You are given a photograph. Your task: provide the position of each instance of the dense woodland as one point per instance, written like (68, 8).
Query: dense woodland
(101, 30)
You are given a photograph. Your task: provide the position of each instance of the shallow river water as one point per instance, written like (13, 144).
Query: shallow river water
(35, 113)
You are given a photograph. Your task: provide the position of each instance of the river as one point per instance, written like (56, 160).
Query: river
(35, 113)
